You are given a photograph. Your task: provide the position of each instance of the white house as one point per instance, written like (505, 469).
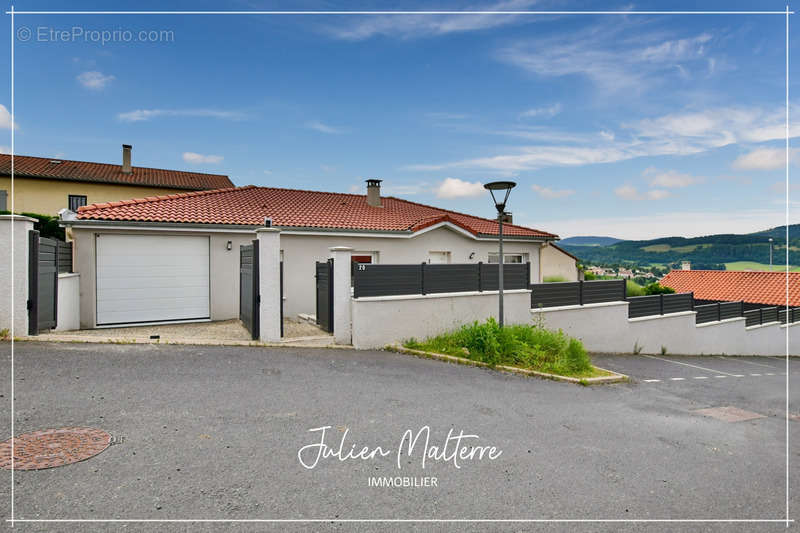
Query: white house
(176, 257)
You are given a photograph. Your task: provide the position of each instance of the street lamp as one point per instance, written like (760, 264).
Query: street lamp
(770, 254)
(503, 189)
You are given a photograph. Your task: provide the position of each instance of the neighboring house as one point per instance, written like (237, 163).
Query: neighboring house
(597, 271)
(47, 185)
(177, 257)
(625, 273)
(557, 262)
(756, 289)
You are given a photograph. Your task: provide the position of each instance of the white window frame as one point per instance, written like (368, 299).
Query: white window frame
(524, 258)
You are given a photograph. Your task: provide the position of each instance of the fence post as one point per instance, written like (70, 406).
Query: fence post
(719, 311)
(760, 315)
(580, 292)
(480, 276)
(422, 278)
(624, 289)
(692, 293)
(342, 318)
(661, 303)
(528, 275)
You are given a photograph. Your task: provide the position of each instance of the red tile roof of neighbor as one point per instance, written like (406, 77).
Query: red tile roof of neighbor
(42, 167)
(295, 208)
(768, 288)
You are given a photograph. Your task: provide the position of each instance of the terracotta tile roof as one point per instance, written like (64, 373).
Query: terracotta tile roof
(768, 288)
(295, 208)
(42, 167)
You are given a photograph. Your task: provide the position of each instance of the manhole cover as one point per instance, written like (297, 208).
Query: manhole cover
(53, 447)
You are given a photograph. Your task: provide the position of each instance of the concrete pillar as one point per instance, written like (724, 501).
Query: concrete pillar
(269, 278)
(342, 314)
(14, 295)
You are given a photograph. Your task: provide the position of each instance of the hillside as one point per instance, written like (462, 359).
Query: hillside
(589, 241)
(708, 250)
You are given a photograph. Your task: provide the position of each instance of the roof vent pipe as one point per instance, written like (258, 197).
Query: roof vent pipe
(126, 159)
(374, 192)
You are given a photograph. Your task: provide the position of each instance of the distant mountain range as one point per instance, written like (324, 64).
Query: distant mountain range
(708, 250)
(589, 241)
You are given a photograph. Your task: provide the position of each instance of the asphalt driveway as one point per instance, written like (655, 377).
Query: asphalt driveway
(214, 432)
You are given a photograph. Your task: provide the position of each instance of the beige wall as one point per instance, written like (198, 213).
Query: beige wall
(300, 252)
(557, 263)
(48, 197)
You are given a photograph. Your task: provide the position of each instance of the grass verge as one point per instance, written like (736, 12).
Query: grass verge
(520, 346)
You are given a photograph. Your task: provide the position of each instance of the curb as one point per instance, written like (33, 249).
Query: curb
(87, 339)
(600, 380)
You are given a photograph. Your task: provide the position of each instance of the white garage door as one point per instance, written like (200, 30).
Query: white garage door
(145, 278)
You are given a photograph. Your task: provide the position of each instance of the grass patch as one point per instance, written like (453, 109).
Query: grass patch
(553, 279)
(522, 346)
(752, 265)
(633, 289)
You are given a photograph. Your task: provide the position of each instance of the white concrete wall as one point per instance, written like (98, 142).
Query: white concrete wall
(300, 252)
(223, 270)
(14, 296)
(606, 328)
(68, 313)
(556, 263)
(383, 320)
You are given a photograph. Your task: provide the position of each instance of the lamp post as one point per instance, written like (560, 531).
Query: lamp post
(770, 254)
(503, 189)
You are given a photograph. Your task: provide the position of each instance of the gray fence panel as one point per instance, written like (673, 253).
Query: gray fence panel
(603, 291)
(678, 303)
(639, 306)
(731, 310)
(515, 276)
(387, 280)
(706, 313)
(752, 317)
(450, 278)
(769, 314)
(555, 294)
(64, 257)
(48, 283)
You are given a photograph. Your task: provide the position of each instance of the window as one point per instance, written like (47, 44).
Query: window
(76, 201)
(508, 258)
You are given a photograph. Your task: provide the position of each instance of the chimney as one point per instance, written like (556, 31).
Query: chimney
(126, 158)
(686, 265)
(508, 218)
(374, 192)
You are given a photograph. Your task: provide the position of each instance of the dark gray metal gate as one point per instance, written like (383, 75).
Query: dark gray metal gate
(42, 282)
(325, 295)
(249, 288)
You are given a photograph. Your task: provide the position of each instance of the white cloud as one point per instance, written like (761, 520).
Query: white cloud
(765, 159)
(546, 192)
(196, 159)
(667, 224)
(140, 115)
(684, 133)
(456, 188)
(416, 26)
(5, 149)
(607, 135)
(671, 179)
(5, 119)
(629, 192)
(546, 111)
(94, 80)
(321, 127)
(607, 57)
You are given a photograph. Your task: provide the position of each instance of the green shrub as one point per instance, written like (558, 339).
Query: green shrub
(657, 288)
(633, 289)
(553, 279)
(589, 276)
(523, 346)
(47, 225)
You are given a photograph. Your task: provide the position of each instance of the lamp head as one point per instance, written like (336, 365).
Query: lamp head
(503, 189)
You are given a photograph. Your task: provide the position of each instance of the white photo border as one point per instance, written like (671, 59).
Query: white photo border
(12, 12)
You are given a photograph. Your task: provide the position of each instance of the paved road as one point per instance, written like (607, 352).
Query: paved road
(213, 432)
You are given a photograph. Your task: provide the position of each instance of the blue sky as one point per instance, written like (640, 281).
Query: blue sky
(630, 126)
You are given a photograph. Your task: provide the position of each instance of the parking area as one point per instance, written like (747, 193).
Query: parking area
(214, 432)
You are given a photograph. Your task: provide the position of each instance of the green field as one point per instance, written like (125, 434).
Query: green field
(752, 265)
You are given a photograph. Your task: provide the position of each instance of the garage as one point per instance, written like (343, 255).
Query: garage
(151, 278)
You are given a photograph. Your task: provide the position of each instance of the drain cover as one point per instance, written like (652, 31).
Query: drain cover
(53, 447)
